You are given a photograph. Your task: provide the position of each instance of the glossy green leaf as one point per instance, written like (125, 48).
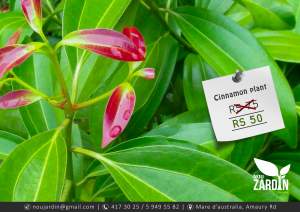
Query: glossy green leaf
(265, 16)
(94, 80)
(152, 140)
(200, 134)
(202, 29)
(197, 133)
(12, 121)
(296, 6)
(186, 118)
(220, 6)
(94, 174)
(38, 175)
(143, 176)
(149, 94)
(296, 91)
(8, 142)
(195, 71)
(294, 184)
(241, 15)
(246, 149)
(40, 116)
(282, 45)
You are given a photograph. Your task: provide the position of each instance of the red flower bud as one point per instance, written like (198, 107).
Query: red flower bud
(118, 112)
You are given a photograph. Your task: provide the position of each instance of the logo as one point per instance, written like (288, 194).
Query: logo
(278, 183)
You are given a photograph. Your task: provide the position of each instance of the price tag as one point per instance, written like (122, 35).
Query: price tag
(243, 109)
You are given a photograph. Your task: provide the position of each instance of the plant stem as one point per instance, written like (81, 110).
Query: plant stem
(62, 82)
(41, 33)
(76, 77)
(25, 85)
(152, 5)
(92, 101)
(70, 176)
(54, 13)
(69, 114)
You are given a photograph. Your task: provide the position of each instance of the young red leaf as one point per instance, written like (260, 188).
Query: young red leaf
(137, 38)
(33, 13)
(16, 99)
(146, 73)
(14, 38)
(13, 55)
(106, 42)
(118, 112)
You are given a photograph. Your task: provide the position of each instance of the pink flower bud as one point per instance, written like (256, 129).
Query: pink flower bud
(33, 13)
(118, 112)
(147, 73)
(105, 42)
(16, 99)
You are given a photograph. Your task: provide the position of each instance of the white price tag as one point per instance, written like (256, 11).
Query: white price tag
(243, 109)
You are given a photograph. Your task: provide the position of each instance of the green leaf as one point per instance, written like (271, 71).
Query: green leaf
(294, 184)
(236, 49)
(149, 94)
(8, 142)
(296, 91)
(296, 5)
(200, 134)
(246, 149)
(144, 173)
(150, 141)
(194, 72)
(265, 16)
(241, 15)
(197, 133)
(282, 45)
(38, 172)
(220, 6)
(11, 121)
(93, 174)
(186, 118)
(40, 116)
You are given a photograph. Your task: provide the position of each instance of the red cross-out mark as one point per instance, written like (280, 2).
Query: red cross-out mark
(247, 105)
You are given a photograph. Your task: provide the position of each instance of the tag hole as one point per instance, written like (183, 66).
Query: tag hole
(237, 77)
